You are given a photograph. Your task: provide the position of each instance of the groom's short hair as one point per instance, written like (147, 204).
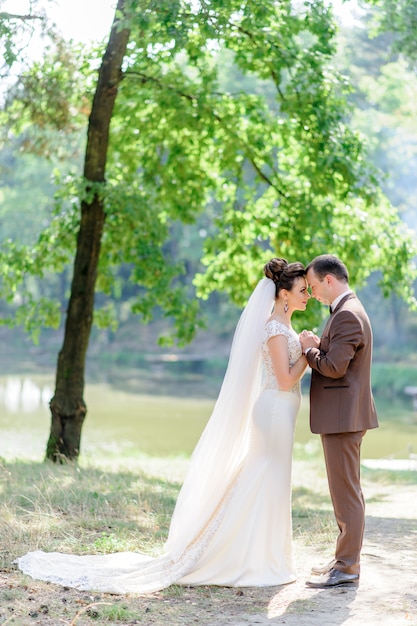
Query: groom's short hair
(328, 264)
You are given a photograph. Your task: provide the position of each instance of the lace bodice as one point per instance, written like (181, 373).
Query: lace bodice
(273, 328)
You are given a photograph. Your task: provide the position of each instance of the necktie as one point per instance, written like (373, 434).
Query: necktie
(330, 310)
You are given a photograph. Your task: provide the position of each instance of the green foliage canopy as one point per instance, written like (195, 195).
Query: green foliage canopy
(232, 108)
(399, 17)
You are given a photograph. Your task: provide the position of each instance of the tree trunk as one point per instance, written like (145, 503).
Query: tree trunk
(68, 409)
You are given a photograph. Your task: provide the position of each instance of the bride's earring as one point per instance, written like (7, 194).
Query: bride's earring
(286, 307)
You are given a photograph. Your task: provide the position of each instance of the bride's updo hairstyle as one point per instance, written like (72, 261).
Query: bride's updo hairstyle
(283, 273)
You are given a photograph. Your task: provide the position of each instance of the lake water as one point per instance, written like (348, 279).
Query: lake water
(120, 422)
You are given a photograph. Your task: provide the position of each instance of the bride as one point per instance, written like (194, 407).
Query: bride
(231, 525)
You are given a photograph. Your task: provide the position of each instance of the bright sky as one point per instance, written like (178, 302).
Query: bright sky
(81, 20)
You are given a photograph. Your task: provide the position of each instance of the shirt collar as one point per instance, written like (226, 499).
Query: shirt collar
(339, 298)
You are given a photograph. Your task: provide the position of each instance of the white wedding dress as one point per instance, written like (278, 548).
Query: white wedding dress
(232, 522)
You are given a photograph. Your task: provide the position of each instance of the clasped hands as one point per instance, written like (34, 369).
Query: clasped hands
(308, 339)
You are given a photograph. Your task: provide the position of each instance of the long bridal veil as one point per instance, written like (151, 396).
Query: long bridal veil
(213, 468)
(223, 444)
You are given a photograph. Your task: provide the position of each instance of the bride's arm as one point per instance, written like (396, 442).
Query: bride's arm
(286, 376)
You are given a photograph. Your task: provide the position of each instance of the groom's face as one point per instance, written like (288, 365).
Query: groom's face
(320, 290)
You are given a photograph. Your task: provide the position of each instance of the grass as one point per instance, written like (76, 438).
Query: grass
(82, 510)
(105, 507)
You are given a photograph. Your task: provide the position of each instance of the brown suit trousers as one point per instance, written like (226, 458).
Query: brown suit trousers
(342, 457)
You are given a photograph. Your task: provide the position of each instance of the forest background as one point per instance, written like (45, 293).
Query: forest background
(42, 149)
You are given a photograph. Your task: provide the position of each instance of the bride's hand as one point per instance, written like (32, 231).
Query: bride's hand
(309, 339)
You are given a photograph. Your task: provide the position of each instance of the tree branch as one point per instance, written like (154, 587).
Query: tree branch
(191, 98)
(15, 16)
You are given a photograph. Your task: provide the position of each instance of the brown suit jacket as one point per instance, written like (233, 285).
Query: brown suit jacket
(340, 393)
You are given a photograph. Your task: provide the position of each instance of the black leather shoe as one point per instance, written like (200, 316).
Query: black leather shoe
(333, 578)
(324, 569)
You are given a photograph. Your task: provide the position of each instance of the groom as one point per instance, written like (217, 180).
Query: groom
(341, 408)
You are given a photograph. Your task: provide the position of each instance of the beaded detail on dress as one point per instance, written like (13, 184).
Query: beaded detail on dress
(273, 328)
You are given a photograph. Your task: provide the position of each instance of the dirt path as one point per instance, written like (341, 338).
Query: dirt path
(387, 594)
